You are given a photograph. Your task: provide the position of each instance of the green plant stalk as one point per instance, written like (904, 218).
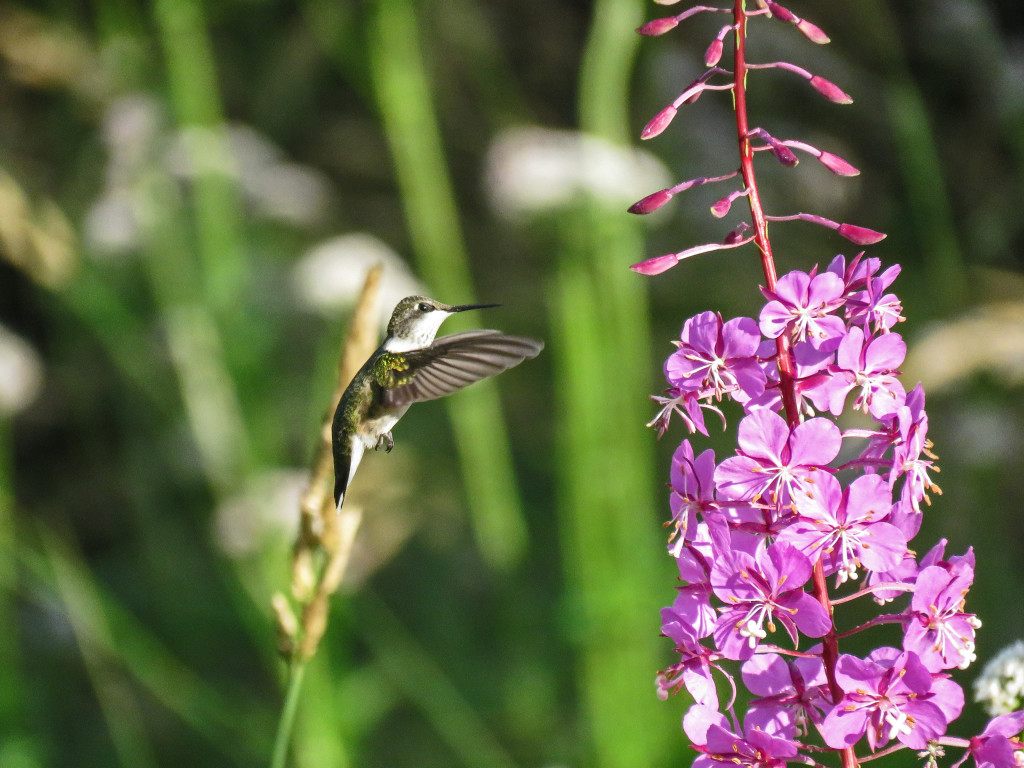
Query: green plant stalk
(197, 351)
(207, 391)
(606, 502)
(349, 701)
(192, 79)
(607, 527)
(279, 758)
(403, 90)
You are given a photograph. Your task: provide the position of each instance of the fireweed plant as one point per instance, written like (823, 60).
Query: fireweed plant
(758, 535)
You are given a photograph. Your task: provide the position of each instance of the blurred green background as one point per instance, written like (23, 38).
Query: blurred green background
(190, 195)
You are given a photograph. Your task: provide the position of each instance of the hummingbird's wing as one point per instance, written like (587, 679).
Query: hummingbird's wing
(453, 362)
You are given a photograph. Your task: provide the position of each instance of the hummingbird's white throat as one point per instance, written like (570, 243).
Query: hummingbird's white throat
(422, 335)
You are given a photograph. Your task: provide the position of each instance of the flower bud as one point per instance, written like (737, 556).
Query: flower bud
(657, 265)
(657, 27)
(651, 203)
(781, 13)
(714, 53)
(737, 235)
(837, 165)
(720, 208)
(812, 32)
(860, 235)
(830, 91)
(784, 154)
(659, 122)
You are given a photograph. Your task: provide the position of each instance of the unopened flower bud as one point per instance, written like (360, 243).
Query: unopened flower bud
(657, 27)
(720, 208)
(657, 265)
(812, 32)
(830, 91)
(659, 122)
(737, 234)
(650, 203)
(781, 13)
(837, 165)
(714, 53)
(784, 155)
(860, 235)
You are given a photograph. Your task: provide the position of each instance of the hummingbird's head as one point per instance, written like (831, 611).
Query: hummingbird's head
(416, 319)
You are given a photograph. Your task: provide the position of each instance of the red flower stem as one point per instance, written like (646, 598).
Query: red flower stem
(787, 386)
(764, 246)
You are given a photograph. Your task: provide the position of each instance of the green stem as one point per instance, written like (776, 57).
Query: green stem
(192, 78)
(602, 355)
(287, 722)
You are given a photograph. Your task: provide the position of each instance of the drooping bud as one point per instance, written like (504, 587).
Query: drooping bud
(860, 235)
(737, 235)
(830, 91)
(651, 203)
(656, 265)
(657, 27)
(837, 165)
(813, 32)
(714, 53)
(720, 208)
(784, 155)
(781, 13)
(659, 122)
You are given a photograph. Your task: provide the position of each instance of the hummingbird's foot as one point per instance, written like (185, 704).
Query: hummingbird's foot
(385, 441)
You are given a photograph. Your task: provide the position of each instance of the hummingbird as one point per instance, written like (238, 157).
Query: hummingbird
(410, 366)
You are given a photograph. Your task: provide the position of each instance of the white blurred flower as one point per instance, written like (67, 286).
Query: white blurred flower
(274, 187)
(111, 228)
(132, 125)
(21, 373)
(329, 276)
(530, 170)
(1000, 686)
(267, 509)
(138, 138)
(133, 130)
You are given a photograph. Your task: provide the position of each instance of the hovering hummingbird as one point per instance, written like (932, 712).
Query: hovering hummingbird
(410, 367)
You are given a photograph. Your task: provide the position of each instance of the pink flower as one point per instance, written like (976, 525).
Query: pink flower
(773, 461)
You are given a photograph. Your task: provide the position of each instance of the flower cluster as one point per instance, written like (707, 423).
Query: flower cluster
(748, 531)
(756, 535)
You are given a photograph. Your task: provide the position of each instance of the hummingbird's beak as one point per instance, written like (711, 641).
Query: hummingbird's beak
(464, 307)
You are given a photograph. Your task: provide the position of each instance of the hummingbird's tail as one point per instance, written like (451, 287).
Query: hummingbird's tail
(344, 472)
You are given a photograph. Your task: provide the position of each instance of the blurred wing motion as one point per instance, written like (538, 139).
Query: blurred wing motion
(453, 362)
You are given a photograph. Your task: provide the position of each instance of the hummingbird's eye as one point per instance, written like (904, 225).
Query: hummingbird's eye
(424, 307)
